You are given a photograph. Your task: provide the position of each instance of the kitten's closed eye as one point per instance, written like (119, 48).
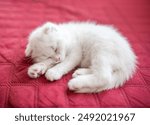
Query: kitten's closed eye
(49, 58)
(54, 49)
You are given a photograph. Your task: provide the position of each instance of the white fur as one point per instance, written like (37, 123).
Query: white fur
(104, 56)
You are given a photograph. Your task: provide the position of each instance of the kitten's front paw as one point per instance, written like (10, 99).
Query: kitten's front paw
(36, 70)
(53, 75)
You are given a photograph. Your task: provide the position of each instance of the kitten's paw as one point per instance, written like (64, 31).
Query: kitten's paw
(36, 70)
(81, 71)
(76, 73)
(53, 75)
(74, 84)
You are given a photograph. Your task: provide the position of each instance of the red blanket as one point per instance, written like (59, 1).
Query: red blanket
(19, 17)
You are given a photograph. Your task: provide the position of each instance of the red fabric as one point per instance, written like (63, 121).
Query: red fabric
(19, 17)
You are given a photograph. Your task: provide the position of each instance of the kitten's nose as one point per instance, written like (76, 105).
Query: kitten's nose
(57, 59)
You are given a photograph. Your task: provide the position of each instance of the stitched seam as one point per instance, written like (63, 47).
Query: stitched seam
(143, 79)
(125, 96)
(35, 96)
(7, 96)
(98, 100)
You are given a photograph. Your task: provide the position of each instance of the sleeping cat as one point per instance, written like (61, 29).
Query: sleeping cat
(103, 55)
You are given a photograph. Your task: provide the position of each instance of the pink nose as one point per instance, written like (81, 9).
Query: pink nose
(57, 59)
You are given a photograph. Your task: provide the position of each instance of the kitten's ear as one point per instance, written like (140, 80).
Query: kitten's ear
(28, 51)
(49, 27)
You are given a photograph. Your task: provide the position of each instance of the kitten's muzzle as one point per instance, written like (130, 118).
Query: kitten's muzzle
(57, 60)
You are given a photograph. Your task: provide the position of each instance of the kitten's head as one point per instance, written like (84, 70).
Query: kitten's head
(46, 42)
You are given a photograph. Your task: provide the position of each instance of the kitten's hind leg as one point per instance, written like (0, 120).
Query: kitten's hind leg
(86, 84)
(81, 71)
(95, 82)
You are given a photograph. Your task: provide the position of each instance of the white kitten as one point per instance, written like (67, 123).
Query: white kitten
(105, 58)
